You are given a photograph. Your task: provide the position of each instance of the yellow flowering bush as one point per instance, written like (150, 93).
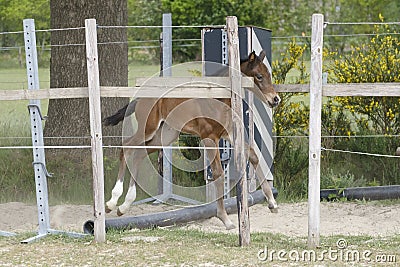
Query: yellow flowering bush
(290, 117)
(374, 61)
(377, 61)
(342, 117)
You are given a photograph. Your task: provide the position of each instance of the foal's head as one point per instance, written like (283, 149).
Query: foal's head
(254, 67)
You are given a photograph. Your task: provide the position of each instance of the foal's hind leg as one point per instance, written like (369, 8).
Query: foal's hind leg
(148, 122)
(137, 139)
(163, 136)
(119, 185)
(127, 154)
(253, 158)
(137, 156)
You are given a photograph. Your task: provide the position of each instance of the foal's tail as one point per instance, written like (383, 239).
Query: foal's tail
(126, 111)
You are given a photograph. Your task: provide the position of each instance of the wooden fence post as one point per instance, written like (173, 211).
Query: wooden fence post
(315, 130)
(238, 129)
(95, 129)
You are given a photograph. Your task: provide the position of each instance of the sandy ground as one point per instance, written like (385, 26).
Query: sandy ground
(375, 219)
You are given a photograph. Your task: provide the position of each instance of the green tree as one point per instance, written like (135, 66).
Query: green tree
(70, 117)
(210, 12)
(144, 13)
(13, 12)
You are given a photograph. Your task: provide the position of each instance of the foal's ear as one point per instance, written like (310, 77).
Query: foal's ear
(252, 57)
(262, 55)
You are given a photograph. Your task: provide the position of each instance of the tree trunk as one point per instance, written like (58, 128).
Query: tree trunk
(70, 117)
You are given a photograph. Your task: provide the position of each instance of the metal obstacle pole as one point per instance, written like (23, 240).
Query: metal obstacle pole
(166, 71)
(173, 217)
(224, 145)
(39, 161)
(5, 233)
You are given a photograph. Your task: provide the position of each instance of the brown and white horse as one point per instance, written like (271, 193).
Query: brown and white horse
(161, 120)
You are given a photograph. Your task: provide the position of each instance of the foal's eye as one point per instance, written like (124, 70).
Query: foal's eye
(259, 77)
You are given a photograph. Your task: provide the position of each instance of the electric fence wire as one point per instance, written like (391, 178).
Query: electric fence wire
(47, 47)
(274, 136)
(190, 26)
(363, 23)
(180, 148)
(112, 146)
(359, 153)
(336, 35)
(161, 26)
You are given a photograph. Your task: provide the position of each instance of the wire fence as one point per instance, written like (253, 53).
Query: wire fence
(273, 136)
(182, 40)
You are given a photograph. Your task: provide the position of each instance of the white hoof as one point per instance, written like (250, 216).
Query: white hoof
(110, 206)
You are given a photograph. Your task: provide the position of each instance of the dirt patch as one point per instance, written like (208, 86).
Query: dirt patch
(375, 219)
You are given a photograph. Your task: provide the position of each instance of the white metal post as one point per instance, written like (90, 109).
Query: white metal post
(224, 144)
(39, 161)
(167, 72)
(315, 131)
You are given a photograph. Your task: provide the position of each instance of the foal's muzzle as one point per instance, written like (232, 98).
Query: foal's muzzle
(275, 101)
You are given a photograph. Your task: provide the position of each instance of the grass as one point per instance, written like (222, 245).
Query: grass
(178, 247)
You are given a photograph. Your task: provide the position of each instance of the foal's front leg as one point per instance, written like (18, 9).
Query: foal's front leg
(217, 174)
(253, 158)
